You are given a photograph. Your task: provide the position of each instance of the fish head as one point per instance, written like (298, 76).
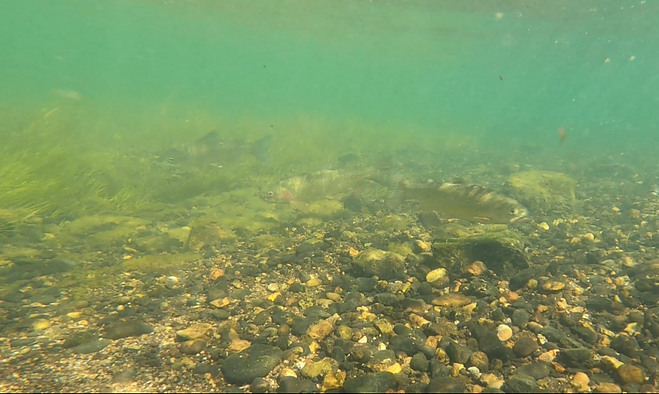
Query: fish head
(278, 195)
(518, 213)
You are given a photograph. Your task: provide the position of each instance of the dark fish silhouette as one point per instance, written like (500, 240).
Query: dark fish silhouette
(212, 150)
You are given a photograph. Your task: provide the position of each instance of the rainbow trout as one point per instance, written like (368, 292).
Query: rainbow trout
(460, 201)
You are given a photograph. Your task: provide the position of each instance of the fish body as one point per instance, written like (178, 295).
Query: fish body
(325, 184)
(212, 150)
(461, 201)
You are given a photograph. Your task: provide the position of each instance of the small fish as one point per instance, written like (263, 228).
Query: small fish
(562, 135)
(211, 150)
(460, 201)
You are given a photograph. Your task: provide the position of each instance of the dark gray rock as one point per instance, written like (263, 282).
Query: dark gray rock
(389, 299)
(458, 353)
(489, 343)
(126, 328)
(193, 346)
(380, 263)
(576, 358)
(598, 303)
(259, 385)
(361, 353)
(407, 345)
(520, 279)
(256, 361)
(91, 347)
(520, 317)
(588, 335)
(379, 382)
(626, 345)
(445, 384)
(204, 368)
(520, 383)
(419, 362)
(537, 370)
(290, 384)
(525, 345)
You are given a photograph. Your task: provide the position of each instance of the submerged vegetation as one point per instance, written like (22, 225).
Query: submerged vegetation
(122, 237)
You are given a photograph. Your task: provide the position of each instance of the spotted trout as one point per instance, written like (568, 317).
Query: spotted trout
(460, 201)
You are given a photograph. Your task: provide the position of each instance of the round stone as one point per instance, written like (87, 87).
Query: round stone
(504, 332)
(436, 275)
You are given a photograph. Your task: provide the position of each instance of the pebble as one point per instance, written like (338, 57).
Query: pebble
(259, 385)
(418, 321)
(629, 373)
(489, 343)
(446, 384)
(344, 332)
(91, 347)
(520, 317)
(195, 331)
(320, 330)
(215, 274)
(474, 371)
(313, 370)
(520, 383)
(40, 324)
(74, 315)
(439, 275)
(421, 246)
(385, 265)
(220, 302)
(479, 360)
(580, 381)
(126, 328)
(575, 358)
(238, 345)
(379, 382)
(607, 388)
(419, 362)
(626, 345)
(287, 372)
(491, 380)
(537, 370)
(458, 353)
(193, 346)
(290, 384)
(553, 286)
(525, 345)
(313, 282)
(383, 326)
(333, 380)
(504, 332)
(477, 268)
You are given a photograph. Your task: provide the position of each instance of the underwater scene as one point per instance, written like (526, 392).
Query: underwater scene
(329, 196)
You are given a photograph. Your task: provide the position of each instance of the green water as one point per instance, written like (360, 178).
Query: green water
(436, 65)
(95, 88)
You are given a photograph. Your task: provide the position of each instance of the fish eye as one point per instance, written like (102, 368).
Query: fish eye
(270, 194)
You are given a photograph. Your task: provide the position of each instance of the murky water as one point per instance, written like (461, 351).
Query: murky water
(147, 145)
